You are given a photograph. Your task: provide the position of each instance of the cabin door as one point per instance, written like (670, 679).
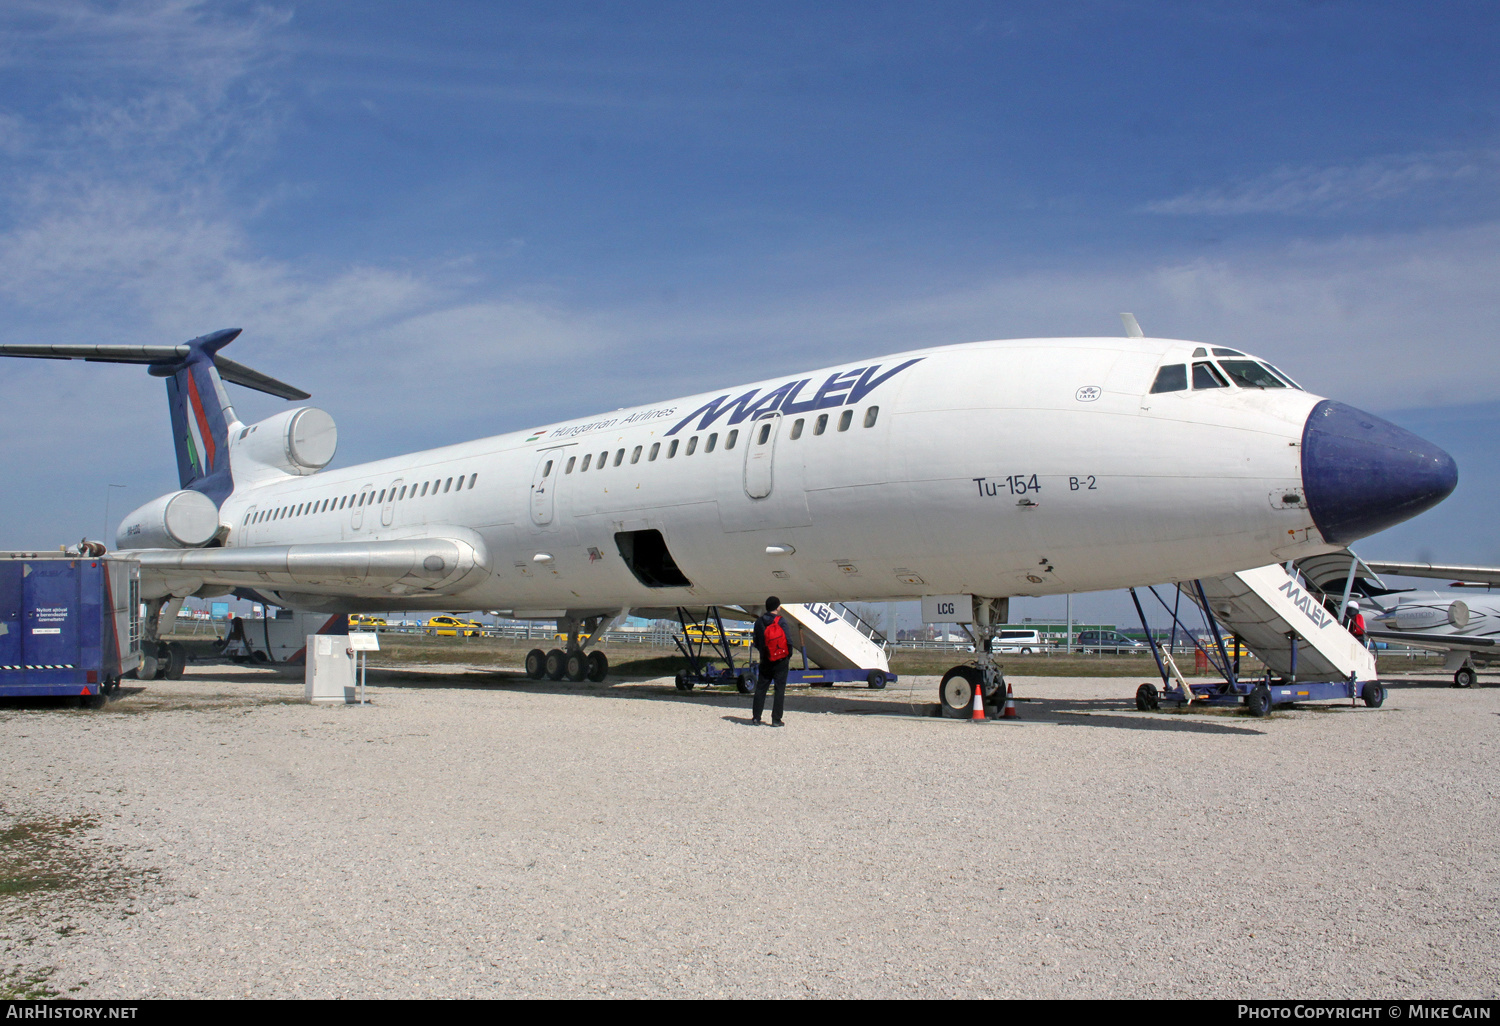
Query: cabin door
(544, 483)
(760, 456)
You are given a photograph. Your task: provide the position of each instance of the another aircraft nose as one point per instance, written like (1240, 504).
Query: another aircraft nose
(1362, 474)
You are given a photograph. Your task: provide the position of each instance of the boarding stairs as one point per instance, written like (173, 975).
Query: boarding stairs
(1283, 620)
(836, 638)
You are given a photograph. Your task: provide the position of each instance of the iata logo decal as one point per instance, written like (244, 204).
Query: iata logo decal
(1088, 393)
(843, 388)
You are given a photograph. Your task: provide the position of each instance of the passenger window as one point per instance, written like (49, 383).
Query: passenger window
(870, 415)
(672, 449)
(1206, 375)
(382, 496)
(713, 440)
(765, 433)
(797, 428)
(619, 457)
(603, 459)
(655, 448)
(449, 483)
(424, 489)
(472, 478)
(402, 495)
(1171, 378)
(635, 457)
(845, 419)
(569, 468)
(733, 437)
(692, 445)
(821, 425)
(588, 458)
(546, 472)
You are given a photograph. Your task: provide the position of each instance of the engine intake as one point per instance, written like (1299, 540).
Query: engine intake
(300, 441)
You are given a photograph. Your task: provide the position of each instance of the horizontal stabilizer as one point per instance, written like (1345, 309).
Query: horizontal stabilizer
(163, 360)
(1445, 572)
(1439, 642)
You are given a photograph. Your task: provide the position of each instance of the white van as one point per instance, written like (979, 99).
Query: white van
(1022, 642)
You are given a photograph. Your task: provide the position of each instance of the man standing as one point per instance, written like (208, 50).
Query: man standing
(775, 650)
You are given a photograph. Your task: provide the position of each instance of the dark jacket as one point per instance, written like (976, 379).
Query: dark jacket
(763, 621)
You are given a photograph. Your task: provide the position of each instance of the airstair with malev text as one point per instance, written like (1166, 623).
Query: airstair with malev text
(1269, 608)
(1281, 617)
(844, 646)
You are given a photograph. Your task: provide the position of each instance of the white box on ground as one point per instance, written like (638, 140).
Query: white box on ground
(330, 669)
(947, 609)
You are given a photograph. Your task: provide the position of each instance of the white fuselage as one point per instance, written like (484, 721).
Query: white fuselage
(1026, 467)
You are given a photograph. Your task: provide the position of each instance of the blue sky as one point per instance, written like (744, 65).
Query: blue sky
(453, 219)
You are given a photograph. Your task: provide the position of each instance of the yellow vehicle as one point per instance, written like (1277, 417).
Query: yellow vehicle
(362, 620)
(708, 633)
(452, 627)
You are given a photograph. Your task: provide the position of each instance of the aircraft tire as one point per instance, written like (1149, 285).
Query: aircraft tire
(1465, 677)
(576, 666)
(956, 692)
(1374, 694)
(557, 664)
(1258, 702)
(1147, 698)
(536, 664)
(875, 680)
(176, 660)
(598, 666)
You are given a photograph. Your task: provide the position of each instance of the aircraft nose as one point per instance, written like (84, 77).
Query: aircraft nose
(1362, 474)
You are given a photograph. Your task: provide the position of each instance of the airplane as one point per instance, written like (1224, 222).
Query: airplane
(1467, 629)
(977, 472)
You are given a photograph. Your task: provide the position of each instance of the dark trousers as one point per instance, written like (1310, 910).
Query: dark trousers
(770, 671)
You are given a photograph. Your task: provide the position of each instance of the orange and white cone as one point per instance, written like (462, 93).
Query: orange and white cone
(978, 701)
(1009, 712)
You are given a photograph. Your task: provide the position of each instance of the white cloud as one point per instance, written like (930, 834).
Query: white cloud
(1323, 190)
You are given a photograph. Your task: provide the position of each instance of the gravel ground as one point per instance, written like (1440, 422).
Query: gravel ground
(472, 834)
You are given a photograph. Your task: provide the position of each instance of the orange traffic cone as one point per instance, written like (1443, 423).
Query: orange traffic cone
(1009, 712)
(978, 700)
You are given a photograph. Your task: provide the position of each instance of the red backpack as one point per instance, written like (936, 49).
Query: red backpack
(776, 643)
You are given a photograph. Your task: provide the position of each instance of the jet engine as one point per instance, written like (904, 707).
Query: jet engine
(177, 520)
(299, 442)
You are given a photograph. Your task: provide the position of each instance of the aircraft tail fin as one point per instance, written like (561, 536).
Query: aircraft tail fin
(201, 412)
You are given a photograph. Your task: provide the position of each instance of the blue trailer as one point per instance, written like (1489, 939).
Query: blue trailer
(70, 623)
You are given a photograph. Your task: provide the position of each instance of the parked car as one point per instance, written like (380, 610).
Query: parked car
(1108, 641)
(362, 620)
(1022, 642)
(451, 627)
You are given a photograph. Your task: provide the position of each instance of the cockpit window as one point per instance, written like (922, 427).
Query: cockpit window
(1206, 375)
(1282, 375)
(1171, 378)
(1200, 351)
(1249, 374)
(1227, 352)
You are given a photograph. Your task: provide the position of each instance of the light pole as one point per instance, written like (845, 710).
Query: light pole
(104, 538)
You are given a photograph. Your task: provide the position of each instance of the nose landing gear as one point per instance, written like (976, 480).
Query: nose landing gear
(956, 692)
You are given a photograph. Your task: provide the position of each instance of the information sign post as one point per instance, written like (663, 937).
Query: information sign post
(363, 642)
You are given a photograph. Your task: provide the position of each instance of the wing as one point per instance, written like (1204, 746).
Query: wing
(1447, 572)
(1437, 642)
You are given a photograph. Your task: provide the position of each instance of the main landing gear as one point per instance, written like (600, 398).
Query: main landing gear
(956, 692)
(574, 663)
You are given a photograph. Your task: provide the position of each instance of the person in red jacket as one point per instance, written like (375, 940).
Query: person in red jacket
(1355, 621)
(775, 649)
